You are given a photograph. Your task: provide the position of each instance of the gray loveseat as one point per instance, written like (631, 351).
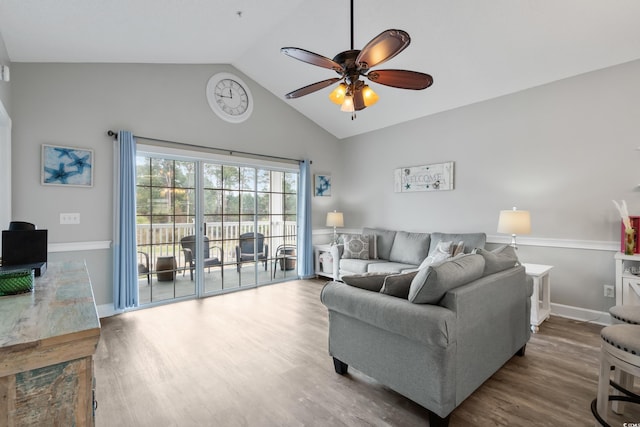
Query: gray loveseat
(397, 251)
(462, 320)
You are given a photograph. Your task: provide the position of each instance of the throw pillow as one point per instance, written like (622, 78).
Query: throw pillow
(431, 283)
(398, 285)
(499, 259)
(440, 253)
(457, 249)
(369, 281)
(356, 246)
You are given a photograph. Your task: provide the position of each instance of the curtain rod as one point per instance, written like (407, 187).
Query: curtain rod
(224, 150)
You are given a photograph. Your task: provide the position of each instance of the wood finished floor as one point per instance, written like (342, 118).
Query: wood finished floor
(259, 358)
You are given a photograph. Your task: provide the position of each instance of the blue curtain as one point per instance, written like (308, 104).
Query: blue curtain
(305, 245)
(125, 264)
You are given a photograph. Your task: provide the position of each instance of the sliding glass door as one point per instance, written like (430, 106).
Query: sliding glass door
(207, 227)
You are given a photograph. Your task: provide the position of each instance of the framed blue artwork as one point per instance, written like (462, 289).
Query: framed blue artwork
(322, 187)
(68, 166)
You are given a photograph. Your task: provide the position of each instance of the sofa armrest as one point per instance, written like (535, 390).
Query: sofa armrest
(430, 324)
(493, 316)
(336, 254)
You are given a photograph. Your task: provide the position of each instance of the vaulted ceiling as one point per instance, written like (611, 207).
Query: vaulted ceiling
(474, 49)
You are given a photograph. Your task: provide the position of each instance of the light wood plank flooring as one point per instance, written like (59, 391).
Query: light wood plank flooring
(259, 358)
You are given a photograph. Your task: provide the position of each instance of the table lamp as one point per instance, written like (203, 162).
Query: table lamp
(335, 219)
(514, 222)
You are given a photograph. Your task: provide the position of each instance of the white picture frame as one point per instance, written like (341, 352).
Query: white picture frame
(433, 177)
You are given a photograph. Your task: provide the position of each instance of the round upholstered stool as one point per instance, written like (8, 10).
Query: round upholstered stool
(626, 314)
(620, 351)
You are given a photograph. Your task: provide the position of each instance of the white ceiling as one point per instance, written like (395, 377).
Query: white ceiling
(474, 49)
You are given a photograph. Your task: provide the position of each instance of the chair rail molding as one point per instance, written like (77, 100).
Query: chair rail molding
(79, 246)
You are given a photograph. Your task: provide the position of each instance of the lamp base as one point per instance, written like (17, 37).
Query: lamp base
(513, 242)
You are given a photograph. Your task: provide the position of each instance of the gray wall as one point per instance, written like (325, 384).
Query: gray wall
(75, 104)
(4, 86)
(562, 151)
(5, 143)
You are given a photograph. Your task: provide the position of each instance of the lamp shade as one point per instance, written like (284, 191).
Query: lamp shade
(514, 222)
(347, 104)
(337, 95)
(335, 219)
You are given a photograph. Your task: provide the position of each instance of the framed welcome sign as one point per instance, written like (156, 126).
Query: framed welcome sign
(435, 177)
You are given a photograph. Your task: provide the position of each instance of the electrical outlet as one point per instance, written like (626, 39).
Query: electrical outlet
(608, 291)
(69, 218)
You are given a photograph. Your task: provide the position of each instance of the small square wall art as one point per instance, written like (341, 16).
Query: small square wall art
(322, 186)
(68, 166)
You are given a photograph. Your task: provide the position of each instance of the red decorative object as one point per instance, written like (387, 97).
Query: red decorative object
(635, 224)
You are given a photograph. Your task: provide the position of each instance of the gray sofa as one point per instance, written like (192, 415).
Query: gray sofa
(438, 347)
(397, 251)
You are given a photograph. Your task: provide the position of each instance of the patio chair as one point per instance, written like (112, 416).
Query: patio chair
(189, 247)
(143, 265)
(286, 255)
(250, 248)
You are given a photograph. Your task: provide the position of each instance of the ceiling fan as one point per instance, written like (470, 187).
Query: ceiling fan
(352, 94)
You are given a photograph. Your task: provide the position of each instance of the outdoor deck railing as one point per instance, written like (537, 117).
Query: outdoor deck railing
(164, 239)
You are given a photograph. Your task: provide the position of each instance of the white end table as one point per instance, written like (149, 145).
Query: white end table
(319, 250)
(541, 297)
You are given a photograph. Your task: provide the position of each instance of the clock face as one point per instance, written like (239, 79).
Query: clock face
(229, 97)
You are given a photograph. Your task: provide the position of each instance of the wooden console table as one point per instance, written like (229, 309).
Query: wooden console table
(47, 341)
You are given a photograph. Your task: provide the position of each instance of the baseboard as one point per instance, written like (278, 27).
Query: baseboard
(581, 314)
(107, 310)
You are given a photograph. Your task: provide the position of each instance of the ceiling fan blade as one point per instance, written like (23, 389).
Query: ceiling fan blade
(311, 58)
(311, 88)
(402, 79)
(383, 47)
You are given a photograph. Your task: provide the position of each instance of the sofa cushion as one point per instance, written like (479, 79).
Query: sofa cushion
(356, 246)
(369, 281)
(389, 267)
(384, 240)
(499, 259)
(410, 248)
(357, 266)
(471, 240)
(373, 246)
(431, 283)
(398, 285)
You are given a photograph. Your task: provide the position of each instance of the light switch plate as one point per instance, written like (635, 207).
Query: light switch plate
(4, 73)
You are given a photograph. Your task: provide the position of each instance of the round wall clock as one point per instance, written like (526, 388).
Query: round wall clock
(229, 97)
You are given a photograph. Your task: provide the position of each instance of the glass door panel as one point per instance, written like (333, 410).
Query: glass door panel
(248, 235)
(165, 213)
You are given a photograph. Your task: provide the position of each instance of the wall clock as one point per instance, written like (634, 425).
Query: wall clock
(229, 97)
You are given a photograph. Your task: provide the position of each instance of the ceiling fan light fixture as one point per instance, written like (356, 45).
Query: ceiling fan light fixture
(352, 94)
(338, 94)
(347, 105)
(369, 96)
